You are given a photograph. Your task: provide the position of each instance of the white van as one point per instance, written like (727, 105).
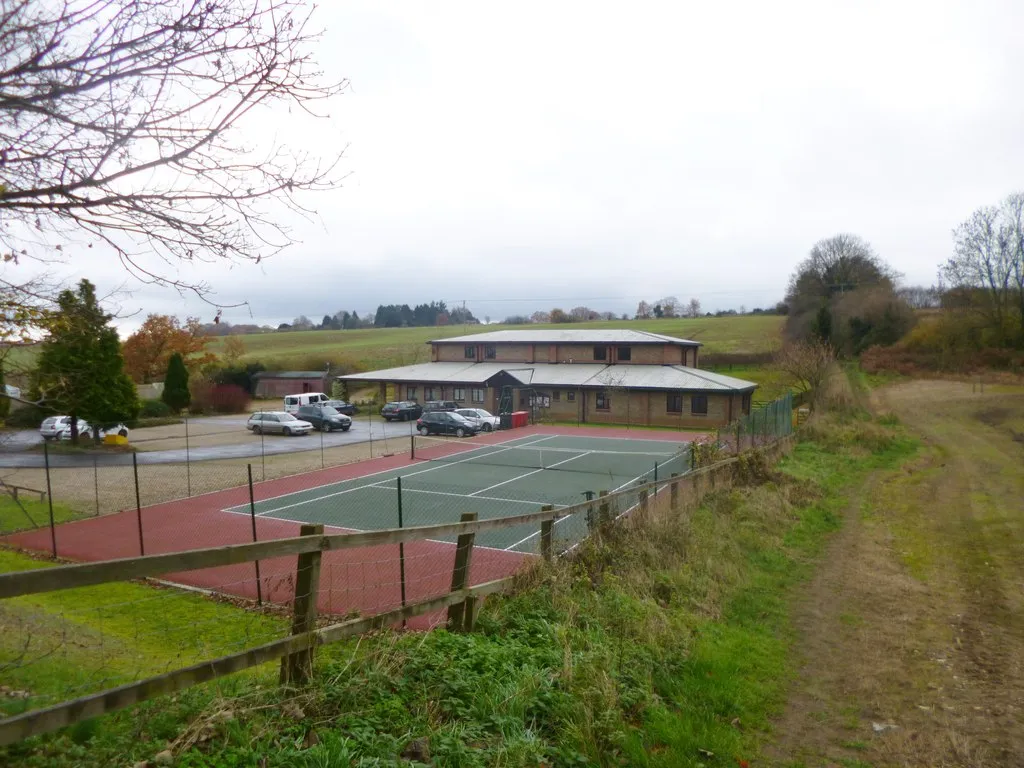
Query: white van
(292, 402)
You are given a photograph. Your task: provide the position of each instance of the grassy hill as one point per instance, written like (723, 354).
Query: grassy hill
(385, 347)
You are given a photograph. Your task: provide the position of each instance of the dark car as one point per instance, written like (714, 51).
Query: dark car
(342, 407)
(405, 410)
(445, 423)
(439, 405)
(324, 417)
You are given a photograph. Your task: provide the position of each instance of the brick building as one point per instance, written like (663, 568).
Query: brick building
(614, 376)
(283, 383)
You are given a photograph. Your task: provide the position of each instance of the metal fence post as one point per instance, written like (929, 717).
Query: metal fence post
(252, 514)
(138, 502)
(49, 498)
(96, 482)
(298, 667)
(188, 462)
(401, 545)
(322, 463)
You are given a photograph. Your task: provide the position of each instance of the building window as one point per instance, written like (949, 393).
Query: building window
(470, 351)
(625, 354)
(459, 395)
(570, 396)
(746, 403)
(699, 405)
(490, 351)
(478, 395)
(410, 393)
(675, 404)
(428, 393)
(604, 403)
(556, 395)
(600, 353)
(524, 399)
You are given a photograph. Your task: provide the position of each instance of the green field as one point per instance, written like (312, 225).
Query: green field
(374, 348)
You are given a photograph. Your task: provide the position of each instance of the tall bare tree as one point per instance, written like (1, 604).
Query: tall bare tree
(988, 265)
(693, 308)
(121, 127)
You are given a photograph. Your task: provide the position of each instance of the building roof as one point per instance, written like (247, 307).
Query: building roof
(556, 336)
(289, 375)
(462, 373)
(662, 377)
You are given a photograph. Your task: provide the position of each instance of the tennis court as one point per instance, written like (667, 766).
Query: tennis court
(450, 476)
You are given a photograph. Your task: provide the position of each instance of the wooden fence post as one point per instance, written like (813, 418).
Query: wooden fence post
(460, 574)
(604, 513)
(643, 508)
(673, 492)
(297, 668)
(546, 529)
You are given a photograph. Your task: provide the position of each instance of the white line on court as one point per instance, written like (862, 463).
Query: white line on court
(458, 495)
(527, 474)
(410, 474)
(560, 519)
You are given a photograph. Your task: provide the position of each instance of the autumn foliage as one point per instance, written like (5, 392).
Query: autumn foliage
(148, 350)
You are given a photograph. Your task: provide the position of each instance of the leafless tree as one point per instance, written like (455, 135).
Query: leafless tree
(670, 306)
(644, 311)
(988, 264)
(121, 127)
(693, 308)
(809, 364)
(540, 317)
(921, 297)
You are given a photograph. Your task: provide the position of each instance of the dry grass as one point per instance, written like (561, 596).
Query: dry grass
(916, 618)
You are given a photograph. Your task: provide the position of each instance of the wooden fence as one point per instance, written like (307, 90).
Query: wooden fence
(296, 651)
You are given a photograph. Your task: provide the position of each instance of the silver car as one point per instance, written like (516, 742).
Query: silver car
(59, 428)
(277, 423)
(483, 419)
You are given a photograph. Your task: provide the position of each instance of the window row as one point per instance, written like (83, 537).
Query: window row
(623, 354)
(490, 351)
(434, 393)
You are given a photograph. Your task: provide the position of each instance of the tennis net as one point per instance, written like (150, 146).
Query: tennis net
(644, 465)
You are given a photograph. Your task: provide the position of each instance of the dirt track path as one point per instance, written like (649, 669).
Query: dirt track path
(916, 616)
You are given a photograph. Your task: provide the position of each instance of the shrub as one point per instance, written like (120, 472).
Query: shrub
(176, 393)
(154, 409)
(208, 397)
(239, 375)
(28, 417)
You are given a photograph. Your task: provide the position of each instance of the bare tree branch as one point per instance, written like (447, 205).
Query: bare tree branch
(121, 124)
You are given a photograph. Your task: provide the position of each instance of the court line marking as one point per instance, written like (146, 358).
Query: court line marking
(527, 474)
(460, 495)
(371, 474)
(361, 530)
(566, 517)
(351, 490)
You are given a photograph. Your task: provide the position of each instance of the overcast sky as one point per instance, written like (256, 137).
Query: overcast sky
(529, 155)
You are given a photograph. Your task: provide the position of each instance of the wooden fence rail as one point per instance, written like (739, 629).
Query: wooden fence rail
(296, 650)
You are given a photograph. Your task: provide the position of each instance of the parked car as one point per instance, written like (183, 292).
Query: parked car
(59, 428)
(405, 410)
(483, 419)
(324, 418)
(440, 405)
(292, 403)
(445, 423)
(277, 422)
(341, 407)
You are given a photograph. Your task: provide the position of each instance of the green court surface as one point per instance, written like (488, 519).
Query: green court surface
(514, 477)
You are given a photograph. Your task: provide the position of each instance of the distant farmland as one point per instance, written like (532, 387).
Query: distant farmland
(374, 348)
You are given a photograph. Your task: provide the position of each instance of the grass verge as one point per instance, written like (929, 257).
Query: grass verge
(667, 646)
(28, 512)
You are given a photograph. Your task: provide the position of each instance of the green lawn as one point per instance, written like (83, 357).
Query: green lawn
(385, 347)
(29, 512)
(72, 642)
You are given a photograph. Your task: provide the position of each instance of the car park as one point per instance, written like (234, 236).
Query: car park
(277, 423)
(404, 410)
(440, 405)
(324, 417)
(483, 419)
(59, 428)
(445, 423)
(341, 406)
